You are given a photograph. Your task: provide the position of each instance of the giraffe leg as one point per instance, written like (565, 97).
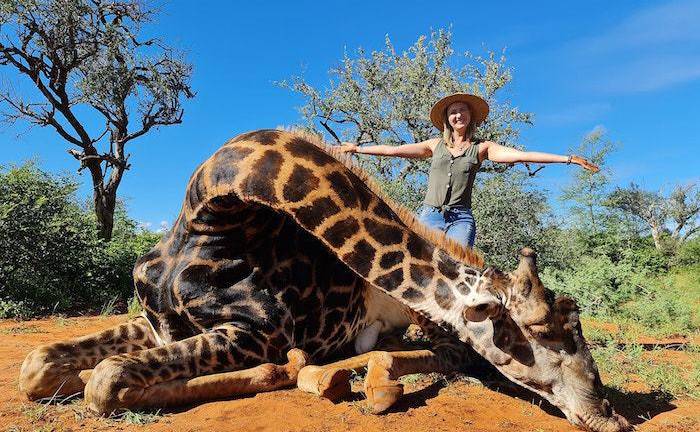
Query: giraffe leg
(383, 369)
(446, 354)
(63, 368)
(204, 367)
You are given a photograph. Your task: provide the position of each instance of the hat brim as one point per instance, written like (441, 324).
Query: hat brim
(478, 108)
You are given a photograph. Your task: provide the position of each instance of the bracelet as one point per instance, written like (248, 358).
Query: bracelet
(568, 161)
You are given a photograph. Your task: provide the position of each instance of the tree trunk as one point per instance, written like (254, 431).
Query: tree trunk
(104, 198)
(104, 211)
(656, 235)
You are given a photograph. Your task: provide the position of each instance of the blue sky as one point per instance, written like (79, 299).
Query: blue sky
(630, 67)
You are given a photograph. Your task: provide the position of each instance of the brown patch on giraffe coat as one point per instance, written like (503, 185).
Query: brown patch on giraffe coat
(419, 248)
(385, 234)
(363, 192)
(264, 137)
(413, 295)
(443, 295)
(361, 258)
(384, 212)
(305, 150)
(463, 288)
(390, 259)
(260, 181)
(312, 215)
(422, 274)
(391, 280)
(301, 183)
(446, 266)
(343, 188)
(197, 188)
(225, 164)
(343, 230)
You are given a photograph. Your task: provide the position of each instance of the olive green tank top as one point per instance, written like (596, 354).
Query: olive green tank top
(451, 178)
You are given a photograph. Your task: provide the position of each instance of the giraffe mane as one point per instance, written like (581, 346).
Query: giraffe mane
(461, 253)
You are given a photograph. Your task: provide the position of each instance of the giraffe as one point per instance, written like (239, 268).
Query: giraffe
(285, 256)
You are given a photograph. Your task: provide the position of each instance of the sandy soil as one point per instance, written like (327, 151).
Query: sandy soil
(431, 404)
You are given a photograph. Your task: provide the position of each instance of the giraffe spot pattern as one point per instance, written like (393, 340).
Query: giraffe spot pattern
(341, 231)
(391, 280)
(225, 164)
(197, 189)
(421, 274)
(463, 288)
(385, 234)
(390, 259)
(419, 248)
(361, 258)
(315, 213)
(446, 266)
(443, 296)
(343, 188)
(302, 149)
(260, 181)
(301, 183)
(412, 295)
(263, 137)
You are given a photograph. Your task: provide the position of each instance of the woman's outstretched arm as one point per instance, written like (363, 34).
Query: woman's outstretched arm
(499, 153)
(421, 150)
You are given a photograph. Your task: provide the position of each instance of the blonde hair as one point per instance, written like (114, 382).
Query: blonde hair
(447, 129)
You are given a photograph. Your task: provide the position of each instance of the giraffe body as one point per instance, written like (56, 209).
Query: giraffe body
(282, 252)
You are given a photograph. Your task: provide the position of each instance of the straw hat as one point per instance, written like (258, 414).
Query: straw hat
(478, 108)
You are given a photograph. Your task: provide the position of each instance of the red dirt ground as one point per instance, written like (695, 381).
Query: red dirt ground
(429, 405)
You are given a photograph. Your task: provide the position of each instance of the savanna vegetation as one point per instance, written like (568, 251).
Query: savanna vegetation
(628, 256)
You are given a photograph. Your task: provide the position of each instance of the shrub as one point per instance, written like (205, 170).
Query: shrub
(688, 253)
(599, 286)
(53, 259)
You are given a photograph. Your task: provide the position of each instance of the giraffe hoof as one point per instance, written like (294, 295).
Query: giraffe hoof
(296, 361)
(332, 384)
(335, 384)
(381, 398)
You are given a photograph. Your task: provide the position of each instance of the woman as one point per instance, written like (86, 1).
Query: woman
(456, 160)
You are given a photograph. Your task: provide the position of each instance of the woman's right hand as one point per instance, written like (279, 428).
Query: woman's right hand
(584, 163)
(347, 147)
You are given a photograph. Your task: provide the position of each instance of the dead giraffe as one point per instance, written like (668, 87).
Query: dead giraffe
(281, 248)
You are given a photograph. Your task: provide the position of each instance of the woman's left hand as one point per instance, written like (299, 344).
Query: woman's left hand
(585, 164)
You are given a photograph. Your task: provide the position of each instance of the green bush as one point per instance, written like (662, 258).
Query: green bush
(688, 253)
(599, 286)
(53, 259)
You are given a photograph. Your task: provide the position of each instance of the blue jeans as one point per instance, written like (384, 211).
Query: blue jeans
(457, 222)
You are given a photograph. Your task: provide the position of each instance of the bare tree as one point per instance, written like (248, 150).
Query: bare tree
(674, 216)
(86, 61)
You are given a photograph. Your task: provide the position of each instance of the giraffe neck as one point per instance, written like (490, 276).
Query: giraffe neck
(291, 175)
(427, 280)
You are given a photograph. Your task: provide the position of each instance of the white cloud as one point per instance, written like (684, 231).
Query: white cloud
(653, 48)
(649, 74)
(674, 22)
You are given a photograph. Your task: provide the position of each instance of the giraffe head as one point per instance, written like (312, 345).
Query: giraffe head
(535, 339)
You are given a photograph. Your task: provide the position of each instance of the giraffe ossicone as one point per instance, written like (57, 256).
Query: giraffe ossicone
(283, 255)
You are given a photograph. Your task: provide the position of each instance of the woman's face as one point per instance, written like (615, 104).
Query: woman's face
(458, 116)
